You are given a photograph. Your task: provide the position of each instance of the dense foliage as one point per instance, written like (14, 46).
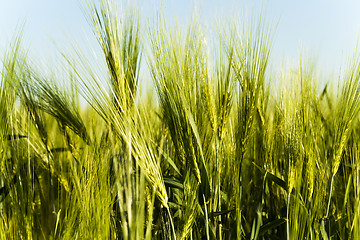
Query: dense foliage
(221, 151)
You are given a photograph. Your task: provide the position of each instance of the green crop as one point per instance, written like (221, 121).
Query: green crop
(219, 149)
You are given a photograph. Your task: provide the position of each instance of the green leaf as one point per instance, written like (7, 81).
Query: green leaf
(347, 192)
(281, 183)
(271, 225)
(220, 213)
(323, 230)
(170, 161)
(172, 182)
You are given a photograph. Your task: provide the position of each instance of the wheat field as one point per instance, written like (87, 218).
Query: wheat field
(218, 150)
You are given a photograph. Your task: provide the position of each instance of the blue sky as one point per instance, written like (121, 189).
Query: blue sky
(326, 29)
